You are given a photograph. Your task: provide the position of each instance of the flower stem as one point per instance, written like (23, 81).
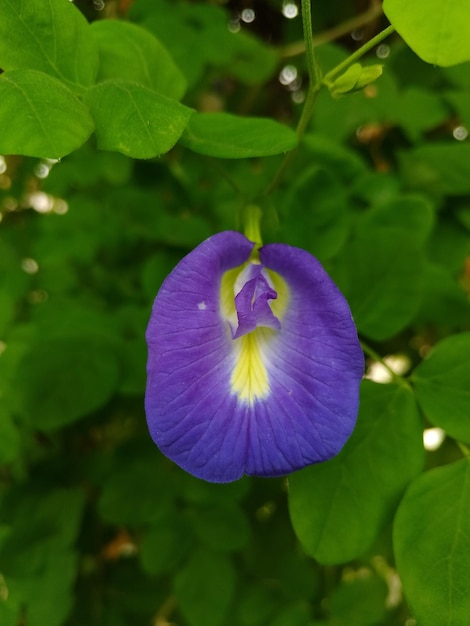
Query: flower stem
(251, 220)
(359, 53)
(374, 355)
(463, 448)
(315, 83)
(313, 68)
(370, 14)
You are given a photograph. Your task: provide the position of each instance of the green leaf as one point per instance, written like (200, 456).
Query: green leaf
(222, 528)
(39, 116)
(257, 605)
(337, 159)
(164, 546)
(340, 119)
(338, 507)
(294, 615)
(442, 383)
(445, 302)
(253, 62)
(441, 168)
(316, 213)
(228, 136)
(7, 311)
(420, 110)
(52, 37)
(43, 524)
(381, 270)
(204, 589)
(411, 214)
(437, 30)
(130, 52)
(9, 613)
(459, 75)
(359, 602)
(431, 535)
(135, 120)
(63, 379)
(199, 28)
(128, 496)
(48, 597)
(460, 100)
(9, 438)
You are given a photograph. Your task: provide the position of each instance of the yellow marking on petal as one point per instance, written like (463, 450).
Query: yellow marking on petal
(249, 379)
(227, 297)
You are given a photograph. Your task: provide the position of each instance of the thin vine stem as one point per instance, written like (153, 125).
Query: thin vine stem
(315, 83)
(313, 68)
(359, 53)
(465, 450)
(331, 34)
(376, 357)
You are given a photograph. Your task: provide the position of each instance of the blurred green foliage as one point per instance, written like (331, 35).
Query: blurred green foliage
(97, 528)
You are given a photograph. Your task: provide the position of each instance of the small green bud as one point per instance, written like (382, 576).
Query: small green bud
(354, 78)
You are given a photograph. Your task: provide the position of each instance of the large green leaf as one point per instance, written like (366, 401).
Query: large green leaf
(316, 213)
(253, 62)
(51, 37)
(202, 29)
(420, 110)
(204, 588)
(38, 562)
(229, 136)
(442, 168)
(9, 437)
(164, 546)
(338, 507)
(431, 542)
(381, 270)
(128, 497)
(359, 602)
(224, 528)
(135, 120)
(63, 379)
(437, 30)
(131, 52)
(40, 116)
(442, 384)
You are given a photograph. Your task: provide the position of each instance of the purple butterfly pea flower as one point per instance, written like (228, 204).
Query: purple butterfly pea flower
(254, 363)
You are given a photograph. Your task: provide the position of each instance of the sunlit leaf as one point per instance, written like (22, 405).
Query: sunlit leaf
(437, 30)
(135, 120)
(52, 37)
(39, 116)
(229, 136)
(130, 52)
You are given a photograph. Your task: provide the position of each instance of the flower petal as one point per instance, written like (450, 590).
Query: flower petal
(268, 402)
(251, 301)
